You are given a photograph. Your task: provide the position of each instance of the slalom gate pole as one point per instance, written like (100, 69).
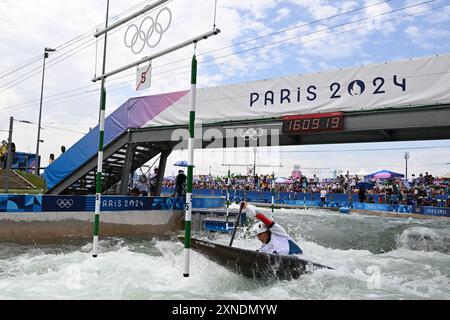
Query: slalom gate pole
(190, 177)
(235, 226)
(98, 182)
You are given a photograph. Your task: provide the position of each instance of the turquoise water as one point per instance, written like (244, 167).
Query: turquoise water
(372, 257)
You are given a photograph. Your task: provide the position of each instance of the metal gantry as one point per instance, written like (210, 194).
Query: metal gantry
(103, 77)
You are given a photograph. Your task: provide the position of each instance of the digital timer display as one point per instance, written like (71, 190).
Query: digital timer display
(310, 123)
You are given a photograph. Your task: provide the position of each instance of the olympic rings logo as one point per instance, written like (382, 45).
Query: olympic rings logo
(64, 203)
(148, 33)
(251, 133)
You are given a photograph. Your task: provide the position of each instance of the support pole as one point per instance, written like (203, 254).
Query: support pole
(273, 191)
(38, 162)
(9, 158)
(254, 168)
(304, 200)
(190, 177)
(406, 165)
(349, 194)
(228, 197)
(101, 121)
(127, 167)
(406, 170)
(162, 169)
(184, 44)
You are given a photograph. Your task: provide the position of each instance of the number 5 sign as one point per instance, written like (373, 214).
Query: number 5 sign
(143, 78)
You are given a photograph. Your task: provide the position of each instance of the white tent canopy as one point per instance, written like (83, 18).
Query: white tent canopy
(282, 180)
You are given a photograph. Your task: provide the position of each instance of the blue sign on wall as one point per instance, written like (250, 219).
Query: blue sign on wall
(20, 203)
(433, 211)
(383, 207)
(38, 203)
(63, 203)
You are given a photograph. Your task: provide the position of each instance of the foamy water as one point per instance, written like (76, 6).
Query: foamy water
(369, 257)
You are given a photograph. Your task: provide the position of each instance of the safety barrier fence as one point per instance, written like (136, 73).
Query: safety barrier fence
(266, 196)
(332, 200)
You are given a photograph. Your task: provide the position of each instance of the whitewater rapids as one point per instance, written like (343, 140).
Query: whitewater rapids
(372, 257)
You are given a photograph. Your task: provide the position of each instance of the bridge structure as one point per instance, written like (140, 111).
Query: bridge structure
(397, 101)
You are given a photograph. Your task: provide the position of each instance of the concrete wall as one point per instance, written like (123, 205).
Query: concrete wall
(37, 218)
(53, 226)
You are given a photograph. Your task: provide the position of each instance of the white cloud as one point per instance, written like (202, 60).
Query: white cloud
(416, 6)
(426, 38)
(282, 14)
(254, 8)
(379, 14)
(348, 5)
(439, 16)
(318, 9)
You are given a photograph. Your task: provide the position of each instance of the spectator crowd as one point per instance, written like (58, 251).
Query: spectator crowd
(423, 190)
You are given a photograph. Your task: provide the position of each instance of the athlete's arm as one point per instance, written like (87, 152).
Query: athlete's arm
(251, 211)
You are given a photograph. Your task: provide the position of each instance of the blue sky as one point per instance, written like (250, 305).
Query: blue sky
(71, 102)
(383, 40)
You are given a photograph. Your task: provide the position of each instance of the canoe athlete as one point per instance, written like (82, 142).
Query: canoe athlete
(274, 237)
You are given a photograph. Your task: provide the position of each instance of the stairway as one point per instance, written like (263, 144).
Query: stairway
(16, 181)
(112, 170)
(82, 180)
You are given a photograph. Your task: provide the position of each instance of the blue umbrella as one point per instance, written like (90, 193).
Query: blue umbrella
(182, 163)
(365, 185)
(384, 174)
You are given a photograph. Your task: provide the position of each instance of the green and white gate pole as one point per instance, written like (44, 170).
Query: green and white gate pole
(98, 180)
(190, 177)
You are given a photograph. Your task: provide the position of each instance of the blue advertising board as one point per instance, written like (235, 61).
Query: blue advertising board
(433, 211)
(20, 203)
(39, 203)
(63, 203)
(24, 161)
(383, 207)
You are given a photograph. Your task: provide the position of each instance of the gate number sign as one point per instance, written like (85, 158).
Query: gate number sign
(143, 78)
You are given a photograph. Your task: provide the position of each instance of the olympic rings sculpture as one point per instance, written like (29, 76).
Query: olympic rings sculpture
(251, 133)
(136, 38)
(64, 203)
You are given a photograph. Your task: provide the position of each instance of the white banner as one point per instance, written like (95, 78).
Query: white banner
(415, 82)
